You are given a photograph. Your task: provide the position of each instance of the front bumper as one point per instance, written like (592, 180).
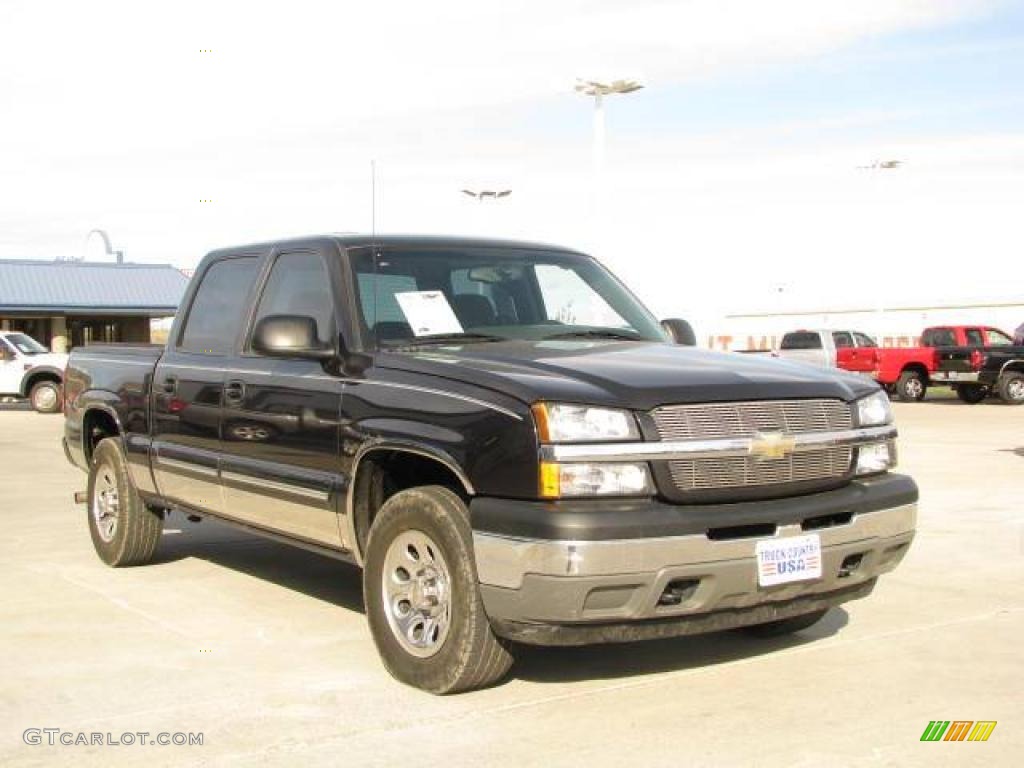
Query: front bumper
(591, 589)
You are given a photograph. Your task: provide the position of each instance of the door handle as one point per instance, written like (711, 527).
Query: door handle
(234, 392)
(170, 385)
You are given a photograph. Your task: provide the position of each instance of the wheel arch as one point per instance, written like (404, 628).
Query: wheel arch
(916, 367)
(99, 421)
(398, 459)
(41, 373)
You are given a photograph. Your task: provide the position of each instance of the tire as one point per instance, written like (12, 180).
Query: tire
(785, 626)
(124, 530)
(45, 396)
(1011, 388)
(971, 393)
(460, 655)
(912, 387)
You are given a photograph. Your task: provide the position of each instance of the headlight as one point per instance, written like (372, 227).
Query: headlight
(876, 457)
(565, 423)
(874, 410)
(599, 479)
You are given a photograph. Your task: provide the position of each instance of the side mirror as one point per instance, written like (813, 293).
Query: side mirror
(680, 331)
(290, 336)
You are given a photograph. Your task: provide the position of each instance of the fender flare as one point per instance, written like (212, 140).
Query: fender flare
(106, 408)
(1017, 363)
(401, 446)
(31, 373)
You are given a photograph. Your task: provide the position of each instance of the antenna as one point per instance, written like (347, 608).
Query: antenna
(373, 198)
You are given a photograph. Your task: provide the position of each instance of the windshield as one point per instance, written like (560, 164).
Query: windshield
(26, 344)
(492, 294)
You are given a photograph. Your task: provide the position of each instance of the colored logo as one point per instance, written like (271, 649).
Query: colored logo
(771, 445)
(958, 730)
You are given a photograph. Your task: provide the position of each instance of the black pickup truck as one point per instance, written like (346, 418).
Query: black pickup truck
(991, 363)
(503, 437)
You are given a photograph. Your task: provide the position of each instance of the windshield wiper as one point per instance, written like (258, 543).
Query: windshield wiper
(448, 338)
(596, 334)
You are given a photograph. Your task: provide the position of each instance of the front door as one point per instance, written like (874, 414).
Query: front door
(11, 370)
(188, 386)
(280, 427)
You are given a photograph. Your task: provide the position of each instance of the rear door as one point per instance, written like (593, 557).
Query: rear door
(280, 455)
(188, 384)
(950, 359)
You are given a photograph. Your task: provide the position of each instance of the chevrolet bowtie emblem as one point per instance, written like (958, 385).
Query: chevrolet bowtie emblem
(771, 445)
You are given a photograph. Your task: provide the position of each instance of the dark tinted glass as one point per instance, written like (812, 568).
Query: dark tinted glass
(974, 337)
(299, 285)
(842, 339)
(939, 337)
(801, 340)
(217, 311)
(864, 341)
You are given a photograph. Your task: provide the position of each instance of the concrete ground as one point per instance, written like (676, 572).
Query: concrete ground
(264, 649)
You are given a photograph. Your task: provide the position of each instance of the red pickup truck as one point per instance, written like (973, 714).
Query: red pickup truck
(909, 371)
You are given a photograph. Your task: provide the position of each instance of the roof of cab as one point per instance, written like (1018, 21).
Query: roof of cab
(357, 240)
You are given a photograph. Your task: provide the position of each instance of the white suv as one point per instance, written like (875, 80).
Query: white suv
(28, 369)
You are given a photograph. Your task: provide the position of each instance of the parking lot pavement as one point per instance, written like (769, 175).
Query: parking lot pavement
(264, 649)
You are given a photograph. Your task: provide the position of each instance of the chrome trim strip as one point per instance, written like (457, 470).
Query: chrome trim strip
(695, 449)
(261, 482)
(187, 466)
(503, 561)
(954, 377)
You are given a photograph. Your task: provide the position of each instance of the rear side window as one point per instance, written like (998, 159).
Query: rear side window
(299, 285)
(801, 340)
(216, 314)
(974, 338)
(842, 339)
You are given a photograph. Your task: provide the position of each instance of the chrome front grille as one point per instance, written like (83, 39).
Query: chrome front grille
(712, 421)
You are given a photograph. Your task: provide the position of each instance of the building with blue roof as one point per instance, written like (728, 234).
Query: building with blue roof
(65, 304)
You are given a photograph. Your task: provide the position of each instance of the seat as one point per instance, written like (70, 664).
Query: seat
(473, 310)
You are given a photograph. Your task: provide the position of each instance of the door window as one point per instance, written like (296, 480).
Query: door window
(938, 337)
(842, 339)
(864, 340)
(974, 337)
(216, 314)
(801, 340)
(997, 338)
(299, 285)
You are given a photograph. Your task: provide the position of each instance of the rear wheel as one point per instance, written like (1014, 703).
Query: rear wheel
(421, 595)
(1011, 388)
(785, 626)
(45, 396)
(124, 530)
(971, 393)
(911, 387)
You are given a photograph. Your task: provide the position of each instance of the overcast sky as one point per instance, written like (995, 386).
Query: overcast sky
(733, 173)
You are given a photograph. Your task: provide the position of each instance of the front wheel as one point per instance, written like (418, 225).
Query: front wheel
(785, 626)
(911, 387)
(421, 595)
(124, 530)
(1011, 388)
(972, 393)
(45, 397)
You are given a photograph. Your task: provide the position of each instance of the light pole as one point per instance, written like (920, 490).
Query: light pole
(598, 91)
(484, 194)
(880, 165)
(485, 219)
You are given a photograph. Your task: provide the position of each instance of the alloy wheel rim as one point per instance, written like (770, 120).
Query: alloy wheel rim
(914, 388)
(1016, 389)
(417, 593)
(106, 505)
(45, 398)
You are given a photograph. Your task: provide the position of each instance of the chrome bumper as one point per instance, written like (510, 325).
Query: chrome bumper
(567, 582)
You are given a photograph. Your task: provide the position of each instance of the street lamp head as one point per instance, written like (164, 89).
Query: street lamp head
(595, 88)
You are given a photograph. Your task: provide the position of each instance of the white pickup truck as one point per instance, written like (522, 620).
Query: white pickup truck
(827, 348)
(28, 369)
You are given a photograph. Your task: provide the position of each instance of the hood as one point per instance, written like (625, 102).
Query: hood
(49, 360)
(628, 374)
